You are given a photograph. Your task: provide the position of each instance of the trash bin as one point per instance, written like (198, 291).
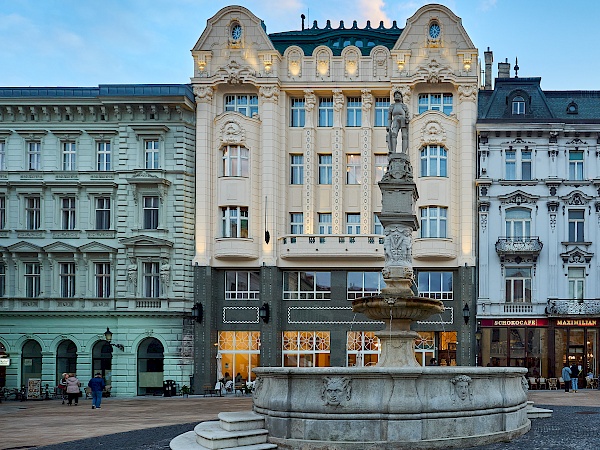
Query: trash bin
(169, 388)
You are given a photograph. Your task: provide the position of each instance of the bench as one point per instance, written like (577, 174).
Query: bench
(210, 390)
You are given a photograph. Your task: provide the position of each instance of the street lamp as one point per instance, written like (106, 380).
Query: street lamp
(263, 312)
(466, 313)
(108, 336)
(197, 312)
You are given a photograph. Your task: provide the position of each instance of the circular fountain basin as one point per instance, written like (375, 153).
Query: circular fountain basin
(382, 306)
(390, 408)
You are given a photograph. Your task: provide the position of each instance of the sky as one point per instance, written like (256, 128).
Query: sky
(92, 42)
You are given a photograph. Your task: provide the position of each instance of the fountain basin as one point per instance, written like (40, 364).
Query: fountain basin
(390, 408)
(380, 306)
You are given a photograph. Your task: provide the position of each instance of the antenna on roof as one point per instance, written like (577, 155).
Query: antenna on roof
(302, 16)
(516, 67)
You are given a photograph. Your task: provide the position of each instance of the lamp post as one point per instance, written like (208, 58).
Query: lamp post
(478, 335)
(108, 337)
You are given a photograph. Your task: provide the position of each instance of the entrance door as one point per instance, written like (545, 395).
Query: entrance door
(31, 361)
(66, 359)
(150, 366)
(102, 361)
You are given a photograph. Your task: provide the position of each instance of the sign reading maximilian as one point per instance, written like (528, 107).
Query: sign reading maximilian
(577, 322)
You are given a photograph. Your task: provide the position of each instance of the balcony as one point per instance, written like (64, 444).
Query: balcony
(365, 246)
(523, 247)
(573, 307)
(499, 309)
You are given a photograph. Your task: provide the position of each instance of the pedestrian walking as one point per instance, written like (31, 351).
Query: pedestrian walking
(62, 387)
(73, 391)
(574, 377)
(96, 384)
(566, 376)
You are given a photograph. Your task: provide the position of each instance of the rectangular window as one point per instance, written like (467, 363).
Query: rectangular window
(67, 279)
(34, 155)
(67, 211)
(525, 165)
(326, 112)
(576, 222)
(104, 156)
(33, 219)
(69, 155)
(102, 213)
(150, 213)
(2, 156)
(325, 223)
(434, 161)
(518, 223)
(296, 169)
(298, 113)
(244, 104)
(102, 271)
(236, 161)
(306, 285)
(575, 165)
(363, 349)
(435, 102)
(382, 104)
(511, 165)
(576, 283)
(151, 280)
(353, 223)
(2, 212)
(242, 285)
(518, 284)
(377, 227)
(353, 172)
(381, 166)
(354, 112)
(433, 222)
(306, 349)
(2, 280)
(32, 280)
(325, 169)
(436, 285)
(235, 222)
(151, 154)
(518, 164)
(296, 223)
(364, 284)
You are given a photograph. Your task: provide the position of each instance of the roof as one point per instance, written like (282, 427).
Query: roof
(337, 39)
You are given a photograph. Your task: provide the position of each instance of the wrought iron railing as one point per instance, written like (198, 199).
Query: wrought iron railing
(515, 245)
(573, 306)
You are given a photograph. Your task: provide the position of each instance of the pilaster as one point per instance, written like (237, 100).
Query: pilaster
(337, 157)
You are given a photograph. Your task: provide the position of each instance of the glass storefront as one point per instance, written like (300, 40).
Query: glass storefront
(306, 349)
(239, 353)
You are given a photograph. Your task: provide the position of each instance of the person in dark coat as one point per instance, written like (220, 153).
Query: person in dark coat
(574, 377)
(566, 376)
(97, 385)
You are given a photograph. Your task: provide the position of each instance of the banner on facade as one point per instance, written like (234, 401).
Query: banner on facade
(514, 323)
(577, 322)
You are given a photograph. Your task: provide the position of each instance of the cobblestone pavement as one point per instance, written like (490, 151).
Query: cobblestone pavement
(132, 424)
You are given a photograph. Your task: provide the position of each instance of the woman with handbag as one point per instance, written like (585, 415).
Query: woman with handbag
(62, 387)
(73, 391)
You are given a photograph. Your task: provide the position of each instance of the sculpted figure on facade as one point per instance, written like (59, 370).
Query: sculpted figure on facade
(165, 272)
(338, 105)
(232, 133)
(132, 271)
(367, 104)
(336, 390)
(310, 101)
(203, 94)
(398, 118)
(269, 93)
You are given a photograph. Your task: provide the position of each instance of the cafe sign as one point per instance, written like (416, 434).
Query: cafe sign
(577, 322)
(4, 362)
(514, 323)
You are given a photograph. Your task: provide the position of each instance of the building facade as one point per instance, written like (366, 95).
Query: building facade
(290, 145)
(539, 215)
(96, 233)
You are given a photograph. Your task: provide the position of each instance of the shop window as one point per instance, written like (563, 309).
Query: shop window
(238, 353)
(362, 349)
(306, 349)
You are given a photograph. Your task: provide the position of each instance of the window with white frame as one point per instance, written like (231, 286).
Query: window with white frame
(242, 285)
(150, 207)
(575, 165)
(34, 155)
(518, 284)
(382, 104)
(239, 352)
(102, 205)
(2, 155)
(69, 156)
(242, 103)
(362, 349)
(68, 213)
(151, 279)
(235, 222)
(325, 223)
(434, 222)
(103, 156)
(67, 279)
(381, 166)
(2, 280)
(576, 283)
(296, 169)
(364, 284)
(297, 223)
(353, 223)
(434, 161)
(306, 285)
(354, 112)
(576, 223)
(435, 102)
(518, 223)
(102, 278)
(33, 217)
(353, 172)
(326, 112)
(152, 154)
(517, 164)
(377, 226)
(325, 169)
(436, 285)
(32, 280)
(236, 161)
(2, 212)
(298, 113)
(306, 349)
(518, 105)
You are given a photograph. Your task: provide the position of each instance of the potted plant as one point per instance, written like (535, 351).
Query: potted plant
(185, 390)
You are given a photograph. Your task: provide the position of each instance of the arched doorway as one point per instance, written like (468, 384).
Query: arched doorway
(3, 355)
(102, 361)
(31, 361)
(150, 366)
(66, 358)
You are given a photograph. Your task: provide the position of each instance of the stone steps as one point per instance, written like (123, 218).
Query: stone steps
(233, 431)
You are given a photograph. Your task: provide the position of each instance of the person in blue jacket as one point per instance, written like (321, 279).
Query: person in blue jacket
(97, 384)
(566, 376)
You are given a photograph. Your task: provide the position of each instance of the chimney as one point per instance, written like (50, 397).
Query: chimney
(489, 59)
(504, 69)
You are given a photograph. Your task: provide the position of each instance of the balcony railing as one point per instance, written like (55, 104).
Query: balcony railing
(328, 246)
(510, 309)
(519, 246)
(573, 307)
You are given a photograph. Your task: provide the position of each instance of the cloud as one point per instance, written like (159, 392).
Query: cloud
(373, 10)
(486, 5)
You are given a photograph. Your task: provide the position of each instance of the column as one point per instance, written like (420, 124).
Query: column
(366, 216)
(310, 161)
(337, 156)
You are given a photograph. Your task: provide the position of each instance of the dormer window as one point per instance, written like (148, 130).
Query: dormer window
(518, 105)
(572, 108)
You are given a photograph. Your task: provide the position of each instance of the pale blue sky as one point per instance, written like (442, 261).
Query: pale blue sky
(91, 42)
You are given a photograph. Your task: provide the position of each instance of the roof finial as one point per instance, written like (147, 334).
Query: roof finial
(302, 16)
(516, 67)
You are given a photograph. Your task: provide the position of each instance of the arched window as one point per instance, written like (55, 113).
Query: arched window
(235, 161)
(102, 361)
(434, 161)
(31, 361)
(518, 105)
(518, 223)
(66, 358)
(150, 366)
